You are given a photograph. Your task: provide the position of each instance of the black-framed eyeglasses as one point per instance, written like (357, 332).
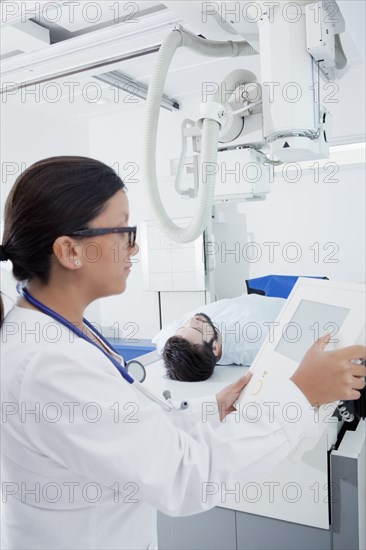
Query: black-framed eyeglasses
(132, 230)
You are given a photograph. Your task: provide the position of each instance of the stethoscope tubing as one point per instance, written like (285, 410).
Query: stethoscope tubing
(51, 313)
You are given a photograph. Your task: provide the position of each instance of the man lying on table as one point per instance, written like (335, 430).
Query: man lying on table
(225, 332)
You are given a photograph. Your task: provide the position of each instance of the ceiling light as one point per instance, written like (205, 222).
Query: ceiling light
(102, 101)
(129, 85)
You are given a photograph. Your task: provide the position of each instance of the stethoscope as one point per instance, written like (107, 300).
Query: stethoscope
(122, 368)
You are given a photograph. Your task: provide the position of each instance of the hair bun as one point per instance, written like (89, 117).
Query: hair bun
(3, 254)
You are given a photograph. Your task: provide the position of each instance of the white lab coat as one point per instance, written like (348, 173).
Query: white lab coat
(96, 458)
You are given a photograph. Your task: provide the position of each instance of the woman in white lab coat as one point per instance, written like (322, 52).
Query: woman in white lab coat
(87, 459)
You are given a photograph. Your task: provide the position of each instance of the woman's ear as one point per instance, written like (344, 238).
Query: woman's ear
(67, 252)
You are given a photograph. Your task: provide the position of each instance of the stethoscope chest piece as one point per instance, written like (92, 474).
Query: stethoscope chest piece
(136, 370)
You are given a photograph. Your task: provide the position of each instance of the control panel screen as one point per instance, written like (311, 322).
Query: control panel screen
(310, 321)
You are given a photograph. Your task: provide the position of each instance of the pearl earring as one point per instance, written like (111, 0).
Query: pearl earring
(77, 262)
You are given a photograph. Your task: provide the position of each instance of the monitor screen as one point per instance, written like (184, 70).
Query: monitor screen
(310, 321)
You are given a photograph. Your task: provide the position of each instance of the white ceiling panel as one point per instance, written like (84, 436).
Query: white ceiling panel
(81, 15)
(24, 37)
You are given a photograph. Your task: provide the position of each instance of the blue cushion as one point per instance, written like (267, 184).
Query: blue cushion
(130, 349)
(278, 286)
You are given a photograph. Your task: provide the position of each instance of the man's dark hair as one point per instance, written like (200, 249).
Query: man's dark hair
(188, 362)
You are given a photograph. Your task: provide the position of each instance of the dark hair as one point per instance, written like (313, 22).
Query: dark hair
(188, 362)
(53, 197)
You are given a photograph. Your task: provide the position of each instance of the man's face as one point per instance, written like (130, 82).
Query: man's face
(198, 329)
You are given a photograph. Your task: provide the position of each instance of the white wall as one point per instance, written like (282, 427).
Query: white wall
(302, 228)
(28, 135)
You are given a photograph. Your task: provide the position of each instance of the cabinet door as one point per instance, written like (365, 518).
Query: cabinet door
(212, 530)
(348, 473)
(262, 533)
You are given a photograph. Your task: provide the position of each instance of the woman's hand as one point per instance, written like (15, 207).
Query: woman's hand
(327, 376)
(226, 397)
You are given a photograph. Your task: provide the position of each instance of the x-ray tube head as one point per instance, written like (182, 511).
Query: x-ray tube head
(289, 86)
